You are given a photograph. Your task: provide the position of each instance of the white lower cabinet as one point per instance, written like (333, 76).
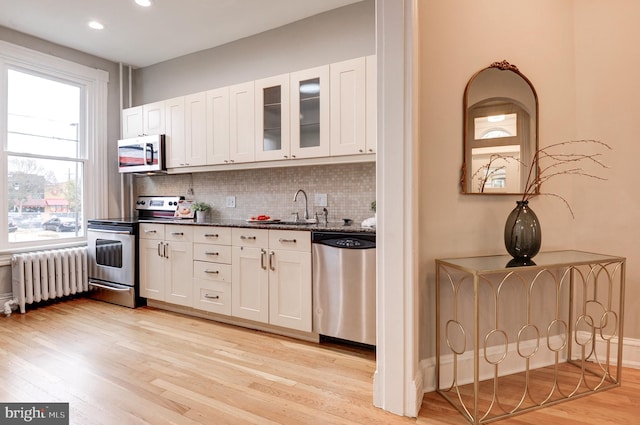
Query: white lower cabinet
(261, 275)
(212, 269)
(272, 277)
(166, 255)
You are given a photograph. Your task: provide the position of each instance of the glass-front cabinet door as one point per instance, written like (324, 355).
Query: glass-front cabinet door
(310, 113)
(272, 118)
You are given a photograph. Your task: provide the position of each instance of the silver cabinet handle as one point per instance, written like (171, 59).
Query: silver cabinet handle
(150, 231)
(166, 251)
(211, 235)
(211, 253)
(281, 240)
(263, 254)
(159, 252)
(251, 238)
(271, 262)
(212, 271)
(177, 233)
(212, 297)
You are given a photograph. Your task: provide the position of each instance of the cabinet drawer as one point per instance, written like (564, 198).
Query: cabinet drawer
(290, 240)
(151, 231)
(250, 237)
(217, 235)
(212, 271)
(212, 296)
(178, 233)
(212, 253)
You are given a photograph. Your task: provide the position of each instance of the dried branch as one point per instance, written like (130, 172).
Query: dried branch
(550, 165)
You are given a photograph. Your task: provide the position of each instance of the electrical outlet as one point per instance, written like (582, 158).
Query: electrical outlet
(231, 201)
(321, 199)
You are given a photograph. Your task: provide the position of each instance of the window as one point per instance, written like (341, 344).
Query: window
(53, 134)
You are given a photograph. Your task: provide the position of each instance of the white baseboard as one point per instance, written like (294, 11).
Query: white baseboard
(416, 393)
(630, 358)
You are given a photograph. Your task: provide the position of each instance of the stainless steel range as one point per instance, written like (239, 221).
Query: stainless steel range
(113, 271)
(113, 251)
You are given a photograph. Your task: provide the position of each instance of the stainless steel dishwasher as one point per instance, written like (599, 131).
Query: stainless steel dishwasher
(344, 286)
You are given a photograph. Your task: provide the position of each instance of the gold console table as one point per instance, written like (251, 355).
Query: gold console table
(514, 339)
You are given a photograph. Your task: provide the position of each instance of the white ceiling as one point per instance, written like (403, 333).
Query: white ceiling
(141, 36)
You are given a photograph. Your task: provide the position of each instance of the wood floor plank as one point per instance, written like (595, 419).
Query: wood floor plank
(143, 366)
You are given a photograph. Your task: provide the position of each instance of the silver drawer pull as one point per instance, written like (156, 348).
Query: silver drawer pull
(251, 238)
(281, 240)
(212, 253)
(212, 297)
(212, 271)
(211, 235)
(177, 233)
(150, 231)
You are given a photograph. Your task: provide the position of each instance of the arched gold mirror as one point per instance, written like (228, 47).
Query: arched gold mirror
(500, 130)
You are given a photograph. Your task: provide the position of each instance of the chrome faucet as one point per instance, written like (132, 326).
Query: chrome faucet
(306, 203)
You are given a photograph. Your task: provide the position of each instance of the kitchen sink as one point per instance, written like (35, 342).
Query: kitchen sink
(299, 223)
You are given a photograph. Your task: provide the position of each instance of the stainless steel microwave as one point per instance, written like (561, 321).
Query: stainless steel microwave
(144, 154)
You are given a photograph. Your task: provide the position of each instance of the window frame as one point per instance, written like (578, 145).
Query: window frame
(93, 83)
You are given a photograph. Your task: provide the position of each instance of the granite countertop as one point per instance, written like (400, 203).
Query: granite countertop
(330, 227)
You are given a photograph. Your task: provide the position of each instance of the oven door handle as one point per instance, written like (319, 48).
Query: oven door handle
(109, 288)
(117, 232)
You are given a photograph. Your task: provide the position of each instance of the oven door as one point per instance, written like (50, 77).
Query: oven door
(112, 256)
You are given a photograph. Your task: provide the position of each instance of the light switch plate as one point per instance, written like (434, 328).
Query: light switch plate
(231, 201)
(321, 199)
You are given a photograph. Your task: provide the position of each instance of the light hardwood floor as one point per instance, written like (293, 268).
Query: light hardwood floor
(146, 366)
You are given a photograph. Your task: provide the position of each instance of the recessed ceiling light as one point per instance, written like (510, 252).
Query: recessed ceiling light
(143, 3)
(96, 25)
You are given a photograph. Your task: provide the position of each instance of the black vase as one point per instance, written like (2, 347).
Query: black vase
(522, 235)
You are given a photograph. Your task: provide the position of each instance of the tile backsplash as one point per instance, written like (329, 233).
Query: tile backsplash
(350, 189)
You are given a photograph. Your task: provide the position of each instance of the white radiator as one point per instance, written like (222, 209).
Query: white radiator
(44, 275)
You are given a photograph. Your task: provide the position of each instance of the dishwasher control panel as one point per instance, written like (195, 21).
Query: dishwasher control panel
(345, 240)
(350, 243)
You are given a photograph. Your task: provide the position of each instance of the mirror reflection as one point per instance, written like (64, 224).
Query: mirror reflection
(500, 130)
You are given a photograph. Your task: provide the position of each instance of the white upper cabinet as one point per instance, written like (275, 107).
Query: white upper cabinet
(320, 112)
(241, 122)
(174, 125)
(348, 111)
(143, 120)
(186, 130)
(132, 122)
(372, 105)
(310, 112)
(218, 126)
(195, 134)
(272, 118)
(153, 118)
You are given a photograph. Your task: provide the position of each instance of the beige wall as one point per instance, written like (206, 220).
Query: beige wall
(607, 108)
(579, 56)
